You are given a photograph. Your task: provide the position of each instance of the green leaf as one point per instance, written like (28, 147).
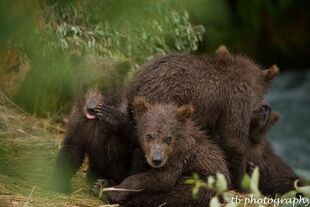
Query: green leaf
(211, 182)
(214, 202)
(195, 192)
(245, 184)
(189, 182)
(195, 176)
(290, 194)
(221, 183)
(227, 196)
(305, 190)
(186, 15)
(254, 183)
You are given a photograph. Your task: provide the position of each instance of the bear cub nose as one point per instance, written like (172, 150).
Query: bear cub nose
(157, 158)
(91, 107)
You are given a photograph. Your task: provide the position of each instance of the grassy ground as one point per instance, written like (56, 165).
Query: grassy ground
(28, 149)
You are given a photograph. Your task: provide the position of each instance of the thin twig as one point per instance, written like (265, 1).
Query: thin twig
(120, 189)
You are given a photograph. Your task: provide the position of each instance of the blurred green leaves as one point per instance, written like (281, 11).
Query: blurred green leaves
(214, 202)
(219, 184)
(250, 184)
(47, 31)
(141, 31)
(197, 184)
(303, 190)
(50, 31)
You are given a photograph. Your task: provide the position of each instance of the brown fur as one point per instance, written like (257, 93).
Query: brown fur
(275, 175)
(179, 196)
(168, 130)
(107, 148)
(224, 90)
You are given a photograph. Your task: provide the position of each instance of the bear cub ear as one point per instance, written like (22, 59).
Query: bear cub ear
(270, 73)
(184, 113)
(274, 118)
(140, 105)
(223, 52)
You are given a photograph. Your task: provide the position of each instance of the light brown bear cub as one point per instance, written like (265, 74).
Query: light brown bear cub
(175, 148)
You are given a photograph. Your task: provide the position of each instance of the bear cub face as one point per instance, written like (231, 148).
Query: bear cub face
(91, 99)
(160, 128)
(99, 80)
(261, 121)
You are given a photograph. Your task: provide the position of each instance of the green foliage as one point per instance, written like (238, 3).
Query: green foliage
(197, 184)
(214, 202)
(153, 28)
(48, 31)
(219, 184)
(249, 184)
(252, 183)
(56, 31)
(304, 190)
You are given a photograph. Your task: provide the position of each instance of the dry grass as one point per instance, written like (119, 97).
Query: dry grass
(28, 148)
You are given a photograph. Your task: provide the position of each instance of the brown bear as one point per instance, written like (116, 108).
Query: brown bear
(107, 148)
(275, 175)
(174, 148)
(224, 90)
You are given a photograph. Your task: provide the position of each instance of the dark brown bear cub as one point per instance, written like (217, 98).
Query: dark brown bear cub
(174, 148)
(224, 90)
(275, 175)
(107, 148)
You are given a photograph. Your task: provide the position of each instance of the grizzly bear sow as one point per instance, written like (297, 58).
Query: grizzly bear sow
(174, 148)
(275, 175)
(107, 148)
(224, 90)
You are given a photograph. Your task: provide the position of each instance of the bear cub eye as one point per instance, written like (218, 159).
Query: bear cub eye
(148, 137)
(168, 140)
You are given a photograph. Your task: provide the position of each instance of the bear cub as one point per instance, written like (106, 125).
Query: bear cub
(107, 148)
(224, 89)
(275, 175)
(174, 148)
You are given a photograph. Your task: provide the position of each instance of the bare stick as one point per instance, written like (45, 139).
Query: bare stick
(120, 189)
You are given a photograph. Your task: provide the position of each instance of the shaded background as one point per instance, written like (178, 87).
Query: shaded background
(291, 136)
(43, 41)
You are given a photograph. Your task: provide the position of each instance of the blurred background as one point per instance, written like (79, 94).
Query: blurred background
(43, 41)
